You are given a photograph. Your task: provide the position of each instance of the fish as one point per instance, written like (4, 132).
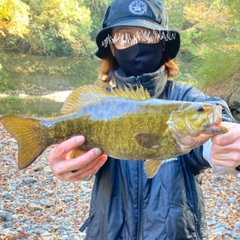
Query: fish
(125, 123)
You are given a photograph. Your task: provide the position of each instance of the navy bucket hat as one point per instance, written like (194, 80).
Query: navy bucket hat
(150, 14)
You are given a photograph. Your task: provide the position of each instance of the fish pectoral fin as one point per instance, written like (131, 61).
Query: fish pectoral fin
(151, 167)
(149, 140)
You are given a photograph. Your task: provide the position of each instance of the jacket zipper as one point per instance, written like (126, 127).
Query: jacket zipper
(190, 189)
(140, 201)
(195, 217)
(140, 183)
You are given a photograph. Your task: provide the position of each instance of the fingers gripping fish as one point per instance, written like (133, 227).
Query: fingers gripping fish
(126, 124)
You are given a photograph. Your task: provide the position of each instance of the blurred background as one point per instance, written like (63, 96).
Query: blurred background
(49, 45)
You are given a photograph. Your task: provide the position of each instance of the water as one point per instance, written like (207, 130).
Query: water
(37, 106)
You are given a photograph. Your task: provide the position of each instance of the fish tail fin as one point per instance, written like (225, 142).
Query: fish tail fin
(151, 167)
(25, 131)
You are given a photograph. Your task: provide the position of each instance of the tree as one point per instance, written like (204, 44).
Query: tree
(98, 9)
(62, 28)
(54, 27)
(215, 45)
(14, 18)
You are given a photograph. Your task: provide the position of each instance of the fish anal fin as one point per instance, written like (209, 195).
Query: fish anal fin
(148, 140)
(91, 93)
(151, 167)
(24, 130)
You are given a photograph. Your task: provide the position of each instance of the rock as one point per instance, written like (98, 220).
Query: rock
(29, 181)
(38, 167)
(8, 224)
(45, 234)
(34, 207)
(220, 231)
(47, 169)
(236, 235)
(6, 195)
(237, 225)
(232, 200)
(47, 203)
(211, 222)
(6, 159)
(6, 216)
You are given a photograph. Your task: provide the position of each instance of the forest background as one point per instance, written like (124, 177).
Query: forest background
(52, 42)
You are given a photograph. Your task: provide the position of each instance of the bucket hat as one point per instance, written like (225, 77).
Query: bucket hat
(150, 14)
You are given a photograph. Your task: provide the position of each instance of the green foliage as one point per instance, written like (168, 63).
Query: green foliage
(51, 72)
(98, 9)
(56, 28)
(211, 41)
(14, 18)
(216, 65)
(66, 27)
(61, 29)
(5, 84)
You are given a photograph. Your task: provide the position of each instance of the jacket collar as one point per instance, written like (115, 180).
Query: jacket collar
(154, 82)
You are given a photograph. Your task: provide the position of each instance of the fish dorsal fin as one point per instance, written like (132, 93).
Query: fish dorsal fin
(90, 93)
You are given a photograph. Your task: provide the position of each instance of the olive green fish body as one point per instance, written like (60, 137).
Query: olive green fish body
(125, 124)
(112, 124)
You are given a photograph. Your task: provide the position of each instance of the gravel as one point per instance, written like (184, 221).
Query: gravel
(34, 204)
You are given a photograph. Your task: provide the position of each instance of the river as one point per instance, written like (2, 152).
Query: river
(39, 105)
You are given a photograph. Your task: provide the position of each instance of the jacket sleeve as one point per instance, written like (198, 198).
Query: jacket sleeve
(180, 92)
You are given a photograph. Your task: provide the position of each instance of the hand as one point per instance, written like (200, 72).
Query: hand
(226, 147)
(86, 164)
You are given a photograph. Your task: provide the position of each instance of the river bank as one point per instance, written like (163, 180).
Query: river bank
(34, 204)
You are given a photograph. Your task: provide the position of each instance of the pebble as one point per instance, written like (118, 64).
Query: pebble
(6, 195)
(6, 216)
(237, 225)
(36, 203)
(236, 236)
(34, 207)
(6, 159)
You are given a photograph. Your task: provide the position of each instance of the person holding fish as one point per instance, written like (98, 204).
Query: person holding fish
(159, 135)
(137, 48)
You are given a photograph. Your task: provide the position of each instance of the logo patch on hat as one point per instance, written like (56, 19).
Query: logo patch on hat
(138, 7)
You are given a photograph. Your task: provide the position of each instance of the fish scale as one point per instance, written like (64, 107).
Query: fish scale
(125, 124)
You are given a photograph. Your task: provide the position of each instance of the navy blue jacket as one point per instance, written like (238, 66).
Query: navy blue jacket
(127, 205)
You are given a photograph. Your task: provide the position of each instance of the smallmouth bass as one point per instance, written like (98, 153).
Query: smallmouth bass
(126, 124)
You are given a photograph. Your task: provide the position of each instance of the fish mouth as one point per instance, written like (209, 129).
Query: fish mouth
(215, 119)
(215, 128)
(212, 124)
(217, 115)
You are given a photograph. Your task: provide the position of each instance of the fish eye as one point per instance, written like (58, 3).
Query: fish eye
(200, 109)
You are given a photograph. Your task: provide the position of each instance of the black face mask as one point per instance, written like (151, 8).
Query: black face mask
(140, 58)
